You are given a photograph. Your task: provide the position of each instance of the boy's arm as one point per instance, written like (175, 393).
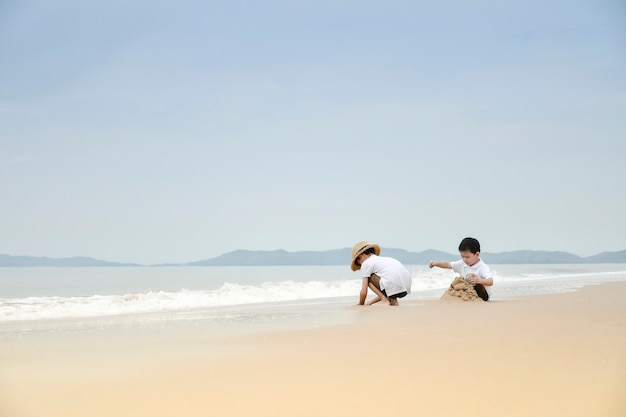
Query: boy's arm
(475, 279)
(440, 264)
(484, 277)
(486, 281)
(363, 294)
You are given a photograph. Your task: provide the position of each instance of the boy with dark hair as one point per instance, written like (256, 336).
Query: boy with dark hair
(470, 266)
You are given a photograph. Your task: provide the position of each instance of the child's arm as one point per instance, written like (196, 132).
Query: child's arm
(363, 293)
(440, 264)
(486, 281)
(475, 279)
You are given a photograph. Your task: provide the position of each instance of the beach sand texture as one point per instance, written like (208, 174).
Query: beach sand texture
(550, 355)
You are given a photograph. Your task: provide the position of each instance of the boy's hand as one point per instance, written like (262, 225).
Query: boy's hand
(472, 278)
(431, 264)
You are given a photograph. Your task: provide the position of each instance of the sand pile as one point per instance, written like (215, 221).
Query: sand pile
(461, 288)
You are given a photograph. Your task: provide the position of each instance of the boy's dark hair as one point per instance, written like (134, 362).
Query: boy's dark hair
(370, 251)
(470, 244)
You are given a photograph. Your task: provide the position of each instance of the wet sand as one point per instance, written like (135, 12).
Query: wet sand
(548, 355)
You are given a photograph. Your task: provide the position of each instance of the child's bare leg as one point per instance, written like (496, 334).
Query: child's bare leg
(374, 285)
(394, 302)
(379, 295)
(374, 301)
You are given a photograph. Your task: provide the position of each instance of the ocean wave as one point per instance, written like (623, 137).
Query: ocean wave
(234, 294)
(229, 294)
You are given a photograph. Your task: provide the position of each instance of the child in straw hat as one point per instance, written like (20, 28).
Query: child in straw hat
(385, 276)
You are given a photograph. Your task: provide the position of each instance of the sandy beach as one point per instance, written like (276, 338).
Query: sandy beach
(548, 355)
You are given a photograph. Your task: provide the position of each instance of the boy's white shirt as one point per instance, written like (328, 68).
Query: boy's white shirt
(394, 277)
(479, 268)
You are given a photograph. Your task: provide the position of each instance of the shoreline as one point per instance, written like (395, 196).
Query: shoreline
(86, 298)
(545, 355)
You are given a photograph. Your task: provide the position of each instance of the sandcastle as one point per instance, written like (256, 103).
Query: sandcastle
(461, 288)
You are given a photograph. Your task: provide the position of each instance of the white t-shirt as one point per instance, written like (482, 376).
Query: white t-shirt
(479, 268)
(394, 277)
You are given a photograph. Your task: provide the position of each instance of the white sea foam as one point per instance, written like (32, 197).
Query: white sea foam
(229, 294)
(426, 283)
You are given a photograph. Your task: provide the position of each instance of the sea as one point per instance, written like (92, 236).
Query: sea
(224, 299)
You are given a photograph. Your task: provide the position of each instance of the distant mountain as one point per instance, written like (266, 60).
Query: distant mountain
(332, 257)
(342, 257)
(277, 257)
(412, 258)
(532, 257)
(607, 257)
(9, 261)
(552, 257)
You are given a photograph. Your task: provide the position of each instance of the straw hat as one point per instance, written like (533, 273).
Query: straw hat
(358, 249)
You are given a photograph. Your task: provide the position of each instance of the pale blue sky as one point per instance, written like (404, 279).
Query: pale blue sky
(142, 132)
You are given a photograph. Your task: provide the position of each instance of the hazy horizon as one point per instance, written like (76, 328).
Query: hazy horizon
(162, 133)
(452, 254)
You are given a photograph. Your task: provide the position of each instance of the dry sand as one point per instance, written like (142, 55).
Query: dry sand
(552, 355)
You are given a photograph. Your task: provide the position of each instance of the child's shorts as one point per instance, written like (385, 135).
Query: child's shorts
(482, 292)
(399, 295)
